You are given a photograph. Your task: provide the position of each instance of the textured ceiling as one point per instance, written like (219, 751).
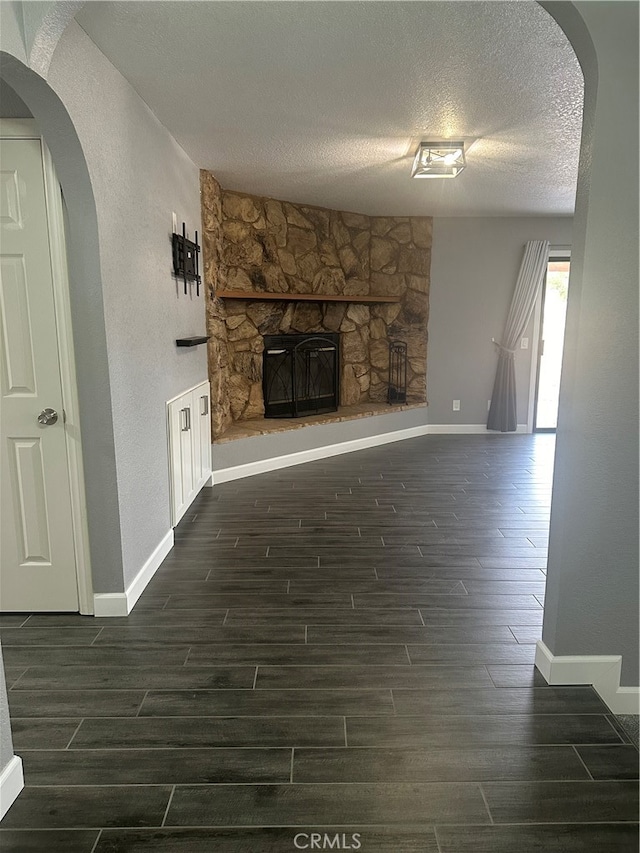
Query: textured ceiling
(325, 102)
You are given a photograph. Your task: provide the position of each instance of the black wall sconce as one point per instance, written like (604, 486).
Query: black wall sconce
(185, 259)
(397, 372)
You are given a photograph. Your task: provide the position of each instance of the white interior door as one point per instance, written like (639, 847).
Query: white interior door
(38, 568)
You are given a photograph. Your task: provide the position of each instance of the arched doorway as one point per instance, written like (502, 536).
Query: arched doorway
(85, 323)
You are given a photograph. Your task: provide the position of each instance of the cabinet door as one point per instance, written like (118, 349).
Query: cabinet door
(186, 445)
(202, 433)
(181, 455)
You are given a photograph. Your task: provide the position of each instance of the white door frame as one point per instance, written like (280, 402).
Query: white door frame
(28, 129)
(555, 252)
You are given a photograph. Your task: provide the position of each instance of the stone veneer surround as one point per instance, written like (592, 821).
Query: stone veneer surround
(261, 245)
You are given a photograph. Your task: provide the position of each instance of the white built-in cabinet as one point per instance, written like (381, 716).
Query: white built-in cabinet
(189, 425)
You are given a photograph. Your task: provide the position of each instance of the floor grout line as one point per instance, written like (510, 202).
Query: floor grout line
(326, 750)
(74, 734)
(95, 844)
(418, 826)
(486, 804)
(92, 643)
(435, 833)
(514, 636)
(393, 703)
(581, 760)
(606, 716)
(166, 813)
(15, 682)
(146, 693)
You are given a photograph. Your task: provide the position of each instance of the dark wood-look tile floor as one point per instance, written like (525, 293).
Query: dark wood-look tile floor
(341, 648)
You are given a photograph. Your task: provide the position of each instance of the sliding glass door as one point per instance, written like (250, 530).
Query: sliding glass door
(550, 345)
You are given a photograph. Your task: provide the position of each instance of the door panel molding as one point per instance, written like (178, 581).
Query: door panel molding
(18, 347)
(31, 516)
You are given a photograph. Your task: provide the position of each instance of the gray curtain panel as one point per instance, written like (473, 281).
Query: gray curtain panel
(503, 411)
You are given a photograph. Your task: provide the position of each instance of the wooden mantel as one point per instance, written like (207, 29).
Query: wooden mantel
(301, 297)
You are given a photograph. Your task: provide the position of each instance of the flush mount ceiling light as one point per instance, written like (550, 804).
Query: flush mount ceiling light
(439, 160)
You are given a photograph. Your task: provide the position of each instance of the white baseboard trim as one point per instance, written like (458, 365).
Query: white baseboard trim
(471, 429)
(122, 603)
(224, 475)
(261, 466)
(11, 783)
(600, 671)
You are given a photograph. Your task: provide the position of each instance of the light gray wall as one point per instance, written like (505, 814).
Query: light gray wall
(254, 449)
(87, 307)
(122, 176)
(11, 106)
(34, 15)
(592, 586)
(6, 744)
(474, 266)
(12, 29)
(139, 176)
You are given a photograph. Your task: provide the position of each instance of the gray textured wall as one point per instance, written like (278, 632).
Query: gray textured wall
(6, 744)
(139, 176)
(254, 449)
(592, 587)
(474, 265)
(127, 309)
(12, 29)
(11, 106)
(87, 306)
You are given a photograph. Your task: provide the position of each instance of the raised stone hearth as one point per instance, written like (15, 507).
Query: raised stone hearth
(259, 245)
(268, 426)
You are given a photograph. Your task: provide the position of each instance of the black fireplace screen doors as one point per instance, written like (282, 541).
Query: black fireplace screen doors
(300, 375)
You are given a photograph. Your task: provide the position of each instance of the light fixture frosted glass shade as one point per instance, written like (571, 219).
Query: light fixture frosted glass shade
(438, 160)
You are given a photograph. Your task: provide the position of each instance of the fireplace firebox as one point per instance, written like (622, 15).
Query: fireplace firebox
(301, 374)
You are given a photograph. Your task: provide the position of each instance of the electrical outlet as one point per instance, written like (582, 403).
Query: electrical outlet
(524, 343)
(456, 405)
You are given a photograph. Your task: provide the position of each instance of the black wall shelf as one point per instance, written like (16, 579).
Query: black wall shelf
(193, 341)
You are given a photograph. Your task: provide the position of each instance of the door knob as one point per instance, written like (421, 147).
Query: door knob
(47, 417)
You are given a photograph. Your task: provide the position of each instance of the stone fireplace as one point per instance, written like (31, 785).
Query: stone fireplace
(276, 268)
